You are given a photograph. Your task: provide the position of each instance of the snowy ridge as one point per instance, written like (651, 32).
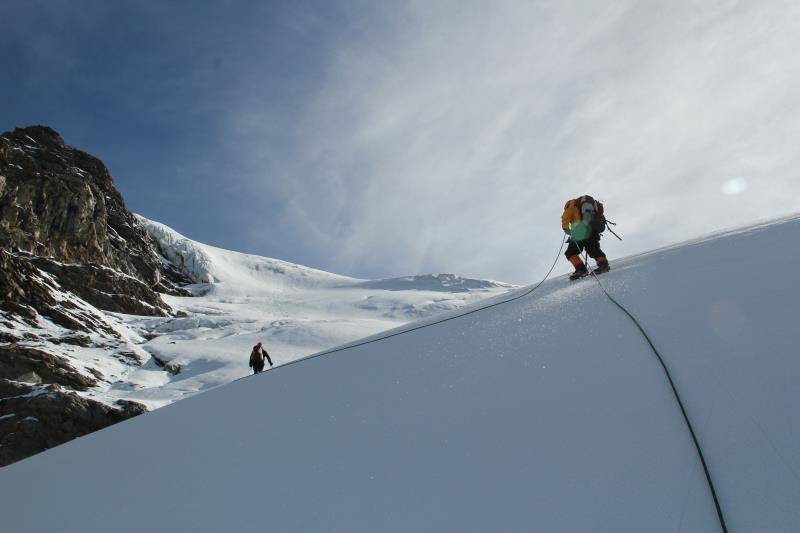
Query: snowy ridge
(433, 282)
(189, 258)
(548, 413)
(242, 299)
(234, 271)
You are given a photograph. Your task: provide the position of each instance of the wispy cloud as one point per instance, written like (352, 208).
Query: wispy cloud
(446, 136)
(389, 138)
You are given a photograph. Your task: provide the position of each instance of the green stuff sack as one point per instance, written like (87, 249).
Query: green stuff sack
(580, 231)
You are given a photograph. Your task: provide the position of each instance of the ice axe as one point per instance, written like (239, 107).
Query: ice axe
(608, 222)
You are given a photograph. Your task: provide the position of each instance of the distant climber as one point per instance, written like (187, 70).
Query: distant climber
(257, 357)
(583, 220)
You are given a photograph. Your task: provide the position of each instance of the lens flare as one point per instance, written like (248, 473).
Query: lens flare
(734, 186)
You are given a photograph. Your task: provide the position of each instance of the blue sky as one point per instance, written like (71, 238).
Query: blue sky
(150, 88)
(392, 138)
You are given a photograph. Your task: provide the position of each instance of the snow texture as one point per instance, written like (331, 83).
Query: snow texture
(240, 299)
(548, 413)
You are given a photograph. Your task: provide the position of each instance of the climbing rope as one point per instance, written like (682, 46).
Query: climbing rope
(526, 293)
(674, 391)
(422, 326)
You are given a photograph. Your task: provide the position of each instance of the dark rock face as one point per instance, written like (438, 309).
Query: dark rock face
(33, 418)
(59, 202)
(69, 249)
(105, 288)
(26, 293)
(16, 361)
(59, 208)
(170, 366)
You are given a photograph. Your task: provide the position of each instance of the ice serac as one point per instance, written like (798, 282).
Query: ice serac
(181, 255)
(548, 413)
(236, 271)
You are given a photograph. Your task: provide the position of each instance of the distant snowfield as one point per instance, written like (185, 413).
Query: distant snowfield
(548, 414)
(243, 299)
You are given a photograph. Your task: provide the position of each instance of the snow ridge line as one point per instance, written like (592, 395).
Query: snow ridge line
(423, 326)
(709, 481)
(697, 446)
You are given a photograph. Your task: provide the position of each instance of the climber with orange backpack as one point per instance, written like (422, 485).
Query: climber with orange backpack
(583, 220)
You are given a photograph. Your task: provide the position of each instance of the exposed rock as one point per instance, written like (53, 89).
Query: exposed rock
(69, 250)
(25, 291)
(132, 407)
(43, 417)
(60, 205)
(28, 283)
(8, 337)
(59, 202)
(16, 361)
(12, 389)
(129, 358)
(170, 366)
(96, 373)
(105, 288)
(75, 340)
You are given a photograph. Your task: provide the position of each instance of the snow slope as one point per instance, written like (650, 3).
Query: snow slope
(548, 413)
(242, 299)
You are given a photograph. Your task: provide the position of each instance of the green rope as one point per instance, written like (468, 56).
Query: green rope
(717, 505)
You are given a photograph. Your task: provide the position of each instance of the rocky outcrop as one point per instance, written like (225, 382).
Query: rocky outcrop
(59, 202)
(104, 287)
(35, 418)
(27, 294)
(16, 361)
(69, 250)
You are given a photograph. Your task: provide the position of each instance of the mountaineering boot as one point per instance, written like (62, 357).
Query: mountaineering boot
(602, 266)
(580, 271)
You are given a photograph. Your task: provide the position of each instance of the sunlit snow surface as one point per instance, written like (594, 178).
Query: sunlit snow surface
(545, 414)
(292, 309)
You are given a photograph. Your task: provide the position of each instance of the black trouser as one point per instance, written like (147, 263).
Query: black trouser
(591, 245)
(258, 367)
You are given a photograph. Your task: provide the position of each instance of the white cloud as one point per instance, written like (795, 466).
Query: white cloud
(447, 136)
